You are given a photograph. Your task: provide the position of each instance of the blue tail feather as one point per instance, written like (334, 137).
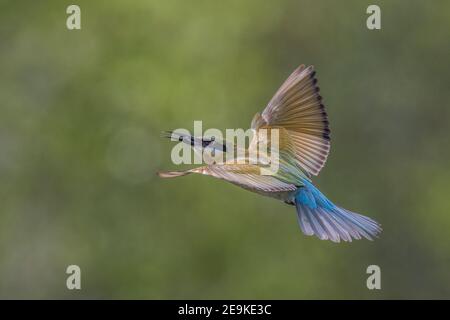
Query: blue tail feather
(320, 217)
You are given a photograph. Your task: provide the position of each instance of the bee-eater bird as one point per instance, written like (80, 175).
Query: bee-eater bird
(297, 112)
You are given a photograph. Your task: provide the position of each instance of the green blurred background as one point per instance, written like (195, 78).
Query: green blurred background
(81, 114)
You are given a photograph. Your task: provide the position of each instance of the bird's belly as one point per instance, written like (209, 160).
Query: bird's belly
(286, 196)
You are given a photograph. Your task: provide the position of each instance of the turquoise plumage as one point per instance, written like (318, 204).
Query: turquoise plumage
(299, 117)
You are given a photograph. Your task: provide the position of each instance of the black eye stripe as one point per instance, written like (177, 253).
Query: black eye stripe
(206, 143)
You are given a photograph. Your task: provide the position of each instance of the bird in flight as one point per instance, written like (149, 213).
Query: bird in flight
(297, 113)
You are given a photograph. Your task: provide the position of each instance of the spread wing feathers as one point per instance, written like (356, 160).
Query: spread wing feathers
(247, 176)
(244, 175)
(297, 107)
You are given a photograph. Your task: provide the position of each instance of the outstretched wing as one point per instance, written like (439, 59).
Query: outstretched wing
(297, 108)
(244, 175)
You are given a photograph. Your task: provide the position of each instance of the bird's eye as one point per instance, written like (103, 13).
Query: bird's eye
(180, 139)
(213, 138)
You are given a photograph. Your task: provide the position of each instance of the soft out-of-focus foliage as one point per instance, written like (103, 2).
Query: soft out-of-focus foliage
(80, 118)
